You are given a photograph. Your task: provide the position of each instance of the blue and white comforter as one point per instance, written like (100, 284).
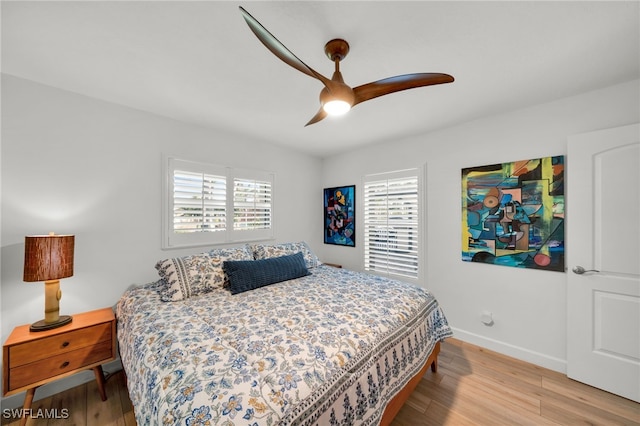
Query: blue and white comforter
(330, 348)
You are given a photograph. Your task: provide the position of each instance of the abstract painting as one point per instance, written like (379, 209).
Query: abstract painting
(513, 214)
(340, 216)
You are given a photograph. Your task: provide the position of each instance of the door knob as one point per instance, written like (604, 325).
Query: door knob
(580, 270)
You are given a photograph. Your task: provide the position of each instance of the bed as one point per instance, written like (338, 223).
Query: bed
(330, 346)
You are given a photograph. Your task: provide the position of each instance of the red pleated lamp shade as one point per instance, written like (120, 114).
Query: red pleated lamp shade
(48, 257)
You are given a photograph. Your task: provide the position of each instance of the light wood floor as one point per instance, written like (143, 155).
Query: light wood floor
(473, 386)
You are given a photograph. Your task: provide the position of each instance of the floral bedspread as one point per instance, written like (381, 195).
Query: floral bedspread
(329, 348)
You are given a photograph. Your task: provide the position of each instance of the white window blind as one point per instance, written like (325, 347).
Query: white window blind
(206, 204)
(391, 223)
(251, 204)
(199, 202)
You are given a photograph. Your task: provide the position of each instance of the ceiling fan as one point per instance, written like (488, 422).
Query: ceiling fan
(336, 98)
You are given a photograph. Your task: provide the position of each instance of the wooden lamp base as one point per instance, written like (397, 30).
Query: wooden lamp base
(42, 325)
(52, 317)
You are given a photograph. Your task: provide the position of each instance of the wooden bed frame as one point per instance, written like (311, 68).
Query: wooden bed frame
(398, 401)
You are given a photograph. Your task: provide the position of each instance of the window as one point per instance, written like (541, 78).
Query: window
(199, 202)
(251, 204)
(391, 223)
(206, 204)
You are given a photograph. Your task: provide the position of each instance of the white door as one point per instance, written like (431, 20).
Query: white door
(603, 235)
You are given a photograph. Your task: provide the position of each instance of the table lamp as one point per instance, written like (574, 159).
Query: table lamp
(48, 258)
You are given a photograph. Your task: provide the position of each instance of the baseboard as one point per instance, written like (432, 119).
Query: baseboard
(537, 358)
(45, 391)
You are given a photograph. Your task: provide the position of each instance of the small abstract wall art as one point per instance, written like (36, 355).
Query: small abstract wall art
(513, 214)
(340, 216)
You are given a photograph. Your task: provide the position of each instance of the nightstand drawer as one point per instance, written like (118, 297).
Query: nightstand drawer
(53, 366)
(35, 350)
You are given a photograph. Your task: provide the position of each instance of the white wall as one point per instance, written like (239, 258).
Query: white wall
(72, 164)
(529, 306)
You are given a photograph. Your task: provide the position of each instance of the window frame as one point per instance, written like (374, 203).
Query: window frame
(172, 240)
(418, 174)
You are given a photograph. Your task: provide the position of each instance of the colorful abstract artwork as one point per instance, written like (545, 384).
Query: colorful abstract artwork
(340, 216)
(513, 214)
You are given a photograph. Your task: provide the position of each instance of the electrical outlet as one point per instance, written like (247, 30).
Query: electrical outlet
(486, 318)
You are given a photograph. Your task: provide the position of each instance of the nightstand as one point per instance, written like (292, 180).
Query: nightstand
(31, 359)
(334, 265)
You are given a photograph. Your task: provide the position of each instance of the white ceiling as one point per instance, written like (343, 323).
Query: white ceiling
(199, 62)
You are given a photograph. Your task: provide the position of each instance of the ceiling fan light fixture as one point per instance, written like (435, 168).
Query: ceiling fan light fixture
(338, 100)
(336, 107)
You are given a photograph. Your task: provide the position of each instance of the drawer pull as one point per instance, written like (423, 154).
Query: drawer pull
(65, 364)
(65, 344)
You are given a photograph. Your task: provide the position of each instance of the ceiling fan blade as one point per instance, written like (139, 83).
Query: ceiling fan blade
(320, 115)
(398, 83)
(279, 49)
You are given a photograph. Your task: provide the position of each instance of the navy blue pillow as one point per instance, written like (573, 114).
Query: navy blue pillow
(245, 275)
